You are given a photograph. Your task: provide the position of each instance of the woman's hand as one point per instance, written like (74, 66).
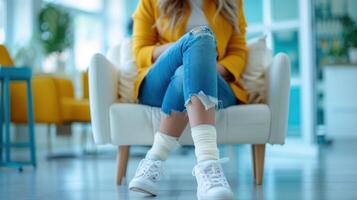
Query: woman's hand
(159, 50)
(224, 73)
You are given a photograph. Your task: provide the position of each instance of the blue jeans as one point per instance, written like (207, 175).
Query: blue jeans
(186, 69)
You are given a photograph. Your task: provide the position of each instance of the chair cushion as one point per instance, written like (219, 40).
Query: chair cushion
(134, 124)
(75, 110)
(253, 79)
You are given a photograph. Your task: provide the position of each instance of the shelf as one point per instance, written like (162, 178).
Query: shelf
(337, 65)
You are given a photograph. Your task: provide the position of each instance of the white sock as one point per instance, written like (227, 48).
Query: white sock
(205, 139)
(162, 146)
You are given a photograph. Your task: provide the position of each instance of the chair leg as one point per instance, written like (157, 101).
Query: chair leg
(49, 140)
(7, 118)
(258, 155)
(84, 140)
(122, 163)
(1, 121)
(31, 124)
(253, 163)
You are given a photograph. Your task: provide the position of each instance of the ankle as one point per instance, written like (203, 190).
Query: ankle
(152, 156)
(205, 140)
(204, 159)
(162, 146)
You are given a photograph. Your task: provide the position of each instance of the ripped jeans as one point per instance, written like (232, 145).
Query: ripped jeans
(186, 69)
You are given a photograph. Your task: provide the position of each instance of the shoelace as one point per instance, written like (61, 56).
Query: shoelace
(150, 169)
(212, 174)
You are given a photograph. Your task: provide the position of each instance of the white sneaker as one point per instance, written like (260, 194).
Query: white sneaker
(147, 177)
(211, 182)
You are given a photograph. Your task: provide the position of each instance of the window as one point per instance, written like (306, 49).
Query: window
(283, 10)
(83, 5)
(97, 24)
(294, 119)
(254, 11)
(117, 21)
(254, 35)
(88, 40)
(279, 20)
(88, 31)
(2, 21)
(288, 42)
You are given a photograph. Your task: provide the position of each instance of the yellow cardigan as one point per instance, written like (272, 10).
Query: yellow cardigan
(231, 45)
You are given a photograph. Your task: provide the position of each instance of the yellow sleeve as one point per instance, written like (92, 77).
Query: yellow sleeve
(145, 35)
(236, 54)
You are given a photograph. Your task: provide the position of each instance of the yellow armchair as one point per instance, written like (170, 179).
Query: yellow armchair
(53, 98)
(85, 85)
(45, 101)
(72, 109)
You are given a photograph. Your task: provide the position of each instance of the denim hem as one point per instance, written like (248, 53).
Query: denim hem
(168, 113)
(207, 100)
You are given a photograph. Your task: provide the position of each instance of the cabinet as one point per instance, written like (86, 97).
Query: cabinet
(341, 100)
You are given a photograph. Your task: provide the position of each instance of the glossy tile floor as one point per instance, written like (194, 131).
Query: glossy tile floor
(330, 175)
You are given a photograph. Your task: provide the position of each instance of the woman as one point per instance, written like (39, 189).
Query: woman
(190, 54)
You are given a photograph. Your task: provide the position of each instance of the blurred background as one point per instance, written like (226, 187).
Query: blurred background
(64, 44)
(56, 39)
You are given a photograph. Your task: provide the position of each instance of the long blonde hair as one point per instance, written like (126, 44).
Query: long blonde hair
(175, 11)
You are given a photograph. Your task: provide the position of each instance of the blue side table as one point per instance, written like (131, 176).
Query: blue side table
(7, 75)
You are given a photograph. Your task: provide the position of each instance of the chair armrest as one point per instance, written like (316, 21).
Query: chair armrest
(103, 79)
(278, 93)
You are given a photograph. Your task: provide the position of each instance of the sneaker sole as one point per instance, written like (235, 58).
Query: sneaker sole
(142, 188)
(135, 189)
(211, 198)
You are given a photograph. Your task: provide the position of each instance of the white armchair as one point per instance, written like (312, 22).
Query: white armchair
(123, 124)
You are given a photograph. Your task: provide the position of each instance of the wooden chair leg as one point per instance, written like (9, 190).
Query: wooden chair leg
(258, 155)
(122, 163)
(253, 163)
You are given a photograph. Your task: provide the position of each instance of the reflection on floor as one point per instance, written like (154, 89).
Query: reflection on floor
(333, 175)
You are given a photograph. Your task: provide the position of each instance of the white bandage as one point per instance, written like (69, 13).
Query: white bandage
(205, 140)
(162, 146)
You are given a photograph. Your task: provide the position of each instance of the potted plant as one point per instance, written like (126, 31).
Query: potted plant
(55, 35)
(350, 37)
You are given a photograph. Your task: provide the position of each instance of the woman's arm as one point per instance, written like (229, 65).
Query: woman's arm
(236, 53)
(225, 73)
(145, 35)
